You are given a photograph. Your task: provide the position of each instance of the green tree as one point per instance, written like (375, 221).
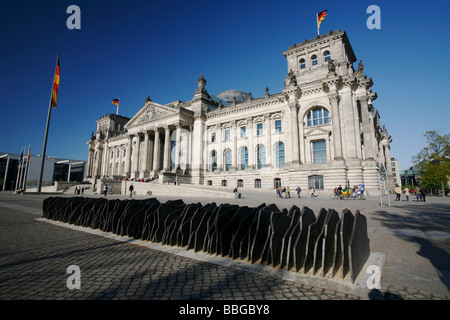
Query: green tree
(433, 161)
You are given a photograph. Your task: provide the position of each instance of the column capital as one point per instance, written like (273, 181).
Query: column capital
(363, 99)
(293, 106)
(334, 97)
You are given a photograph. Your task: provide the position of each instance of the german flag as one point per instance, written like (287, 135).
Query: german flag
(320, 16)
(55, 85)
(116, 102)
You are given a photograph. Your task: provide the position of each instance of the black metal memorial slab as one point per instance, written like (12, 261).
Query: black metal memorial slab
(359, 248)
(329, 241)
(347, 221)
(314, 232)
(264, 234)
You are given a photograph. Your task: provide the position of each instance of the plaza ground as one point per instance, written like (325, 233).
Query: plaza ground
(413, 238)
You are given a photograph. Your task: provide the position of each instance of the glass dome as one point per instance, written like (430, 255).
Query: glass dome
(230, 94)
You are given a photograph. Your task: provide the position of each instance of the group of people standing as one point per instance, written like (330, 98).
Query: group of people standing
(79, 190)
(285, 192)
(420, 193)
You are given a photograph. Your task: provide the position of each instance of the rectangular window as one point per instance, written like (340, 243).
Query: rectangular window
(242, 132)
(320, 151)
(277, 125)
(259, 129)
(317, 117)
(213, 137)
(227, 135)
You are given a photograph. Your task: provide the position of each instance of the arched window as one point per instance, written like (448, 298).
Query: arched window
(318, 116)
(314, 60)
(213, 160)
(302, 63)
(261, 156)
(227, 159)
(258, 183)
(243, 158)
(240, 183)
(326, 56)
(279, 155)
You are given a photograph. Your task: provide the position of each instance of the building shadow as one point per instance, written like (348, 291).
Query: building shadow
(433, 220)
(376, 294)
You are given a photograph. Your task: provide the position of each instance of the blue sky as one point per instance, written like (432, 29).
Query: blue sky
(132, 49)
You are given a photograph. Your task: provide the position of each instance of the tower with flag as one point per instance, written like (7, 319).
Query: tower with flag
(116, 102)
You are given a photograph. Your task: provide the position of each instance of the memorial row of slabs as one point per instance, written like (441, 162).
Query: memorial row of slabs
(328, 244)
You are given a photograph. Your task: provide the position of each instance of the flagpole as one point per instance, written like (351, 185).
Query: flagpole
(25, 174)
(44, 146)
(21, 170)
(6, 173)
(117, 112)
(18, 171)
(317, 21)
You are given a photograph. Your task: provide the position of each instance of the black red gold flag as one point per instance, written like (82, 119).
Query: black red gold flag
(320, 16)
(55, 85)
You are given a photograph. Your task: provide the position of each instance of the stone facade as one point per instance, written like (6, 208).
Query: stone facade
(320, 131)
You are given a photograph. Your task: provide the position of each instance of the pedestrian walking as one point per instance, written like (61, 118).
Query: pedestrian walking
(299, 190)
(131, 188)
(278, 192)
(105, 189)
(283, 192)
(423, 193)
(398, 191)
(406, 191)
(418, 195)
(288, 192)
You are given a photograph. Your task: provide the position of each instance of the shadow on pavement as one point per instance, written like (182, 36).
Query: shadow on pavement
(430, 219)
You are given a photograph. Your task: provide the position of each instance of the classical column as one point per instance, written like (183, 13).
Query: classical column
(294, 127)
(368, 130)
(337, 140)
(251, 150)
(166, 165)
(177, 147)
(89, 165)
(136, 144)
(156, 151)
(114, 151)
(198, 148)
(219, 148)
(234, 150)
(128, 156)
(144, 168)
(268, 125)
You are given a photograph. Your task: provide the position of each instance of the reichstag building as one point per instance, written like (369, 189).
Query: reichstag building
(320, 131)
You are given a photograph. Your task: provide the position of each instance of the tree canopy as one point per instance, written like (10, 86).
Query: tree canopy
(433, 161)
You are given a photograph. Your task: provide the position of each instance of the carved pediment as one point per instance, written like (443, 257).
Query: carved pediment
(150, 112)
(317, 132)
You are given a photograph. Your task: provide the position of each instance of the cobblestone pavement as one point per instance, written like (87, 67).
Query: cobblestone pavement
(35, 255)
